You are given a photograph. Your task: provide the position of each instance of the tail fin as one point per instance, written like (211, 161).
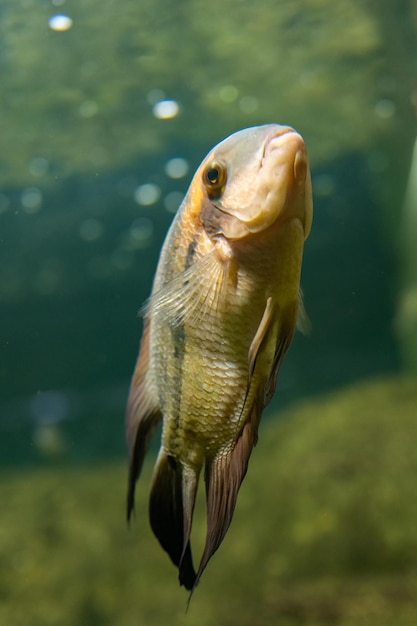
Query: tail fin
(171, 508)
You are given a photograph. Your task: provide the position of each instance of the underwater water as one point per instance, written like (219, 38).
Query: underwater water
(107, 109)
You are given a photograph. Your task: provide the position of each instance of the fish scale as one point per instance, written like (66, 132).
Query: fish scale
(221, 316)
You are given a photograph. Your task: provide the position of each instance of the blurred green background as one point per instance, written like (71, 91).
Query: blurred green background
(92, 168)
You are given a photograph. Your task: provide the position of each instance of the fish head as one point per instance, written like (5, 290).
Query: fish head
(252, 179)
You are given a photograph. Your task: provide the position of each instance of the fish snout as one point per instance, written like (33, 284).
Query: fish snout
(287, 147)
(285, 156)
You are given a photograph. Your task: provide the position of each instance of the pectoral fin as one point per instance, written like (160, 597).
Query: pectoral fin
(260, 337)
(271, 342)
(285, 334)
(258, 342)
(143, 415)
(192, 293)
(303, 323)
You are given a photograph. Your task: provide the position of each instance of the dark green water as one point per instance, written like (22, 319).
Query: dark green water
(80, 239)
(80, 137)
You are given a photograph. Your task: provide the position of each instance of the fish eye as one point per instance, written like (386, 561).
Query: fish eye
(214, 178)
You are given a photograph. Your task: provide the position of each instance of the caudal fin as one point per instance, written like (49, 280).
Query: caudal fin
(171, 508)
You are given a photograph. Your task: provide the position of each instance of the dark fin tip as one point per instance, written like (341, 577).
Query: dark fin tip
(167, 518)
(224, 475)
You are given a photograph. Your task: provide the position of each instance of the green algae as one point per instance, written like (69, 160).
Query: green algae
(324, 531)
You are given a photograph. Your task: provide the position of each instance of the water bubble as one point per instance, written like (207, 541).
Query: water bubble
(98, 156)
(47, 281)
(173, 200)
(4, 203)
(122, 259)
(248, 104)
(385, 109)
(155, 95)
(49, 407)
(307, 78)
(166, 109)
(38, 166)
(11, 284)
(407, 311)
(147, 194)
(88, 108)
(378, 161)
(31, 200)
(88, 68)
(324, 185)
(228, 93)
(176, 168)
(99, 267)
(49, 440)
(141, 232)
(126, 186)
(60, 23)
(91, 229)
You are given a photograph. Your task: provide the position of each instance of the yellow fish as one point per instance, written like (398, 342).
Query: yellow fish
(221, 316)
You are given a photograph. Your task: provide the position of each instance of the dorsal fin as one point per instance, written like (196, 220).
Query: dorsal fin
(142, 416)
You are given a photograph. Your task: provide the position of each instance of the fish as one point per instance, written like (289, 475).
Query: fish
(223, 309)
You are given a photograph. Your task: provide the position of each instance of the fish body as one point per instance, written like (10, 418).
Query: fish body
(222, 313)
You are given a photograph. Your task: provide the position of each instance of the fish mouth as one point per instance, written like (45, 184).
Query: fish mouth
(276, 140)
(288, 142)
